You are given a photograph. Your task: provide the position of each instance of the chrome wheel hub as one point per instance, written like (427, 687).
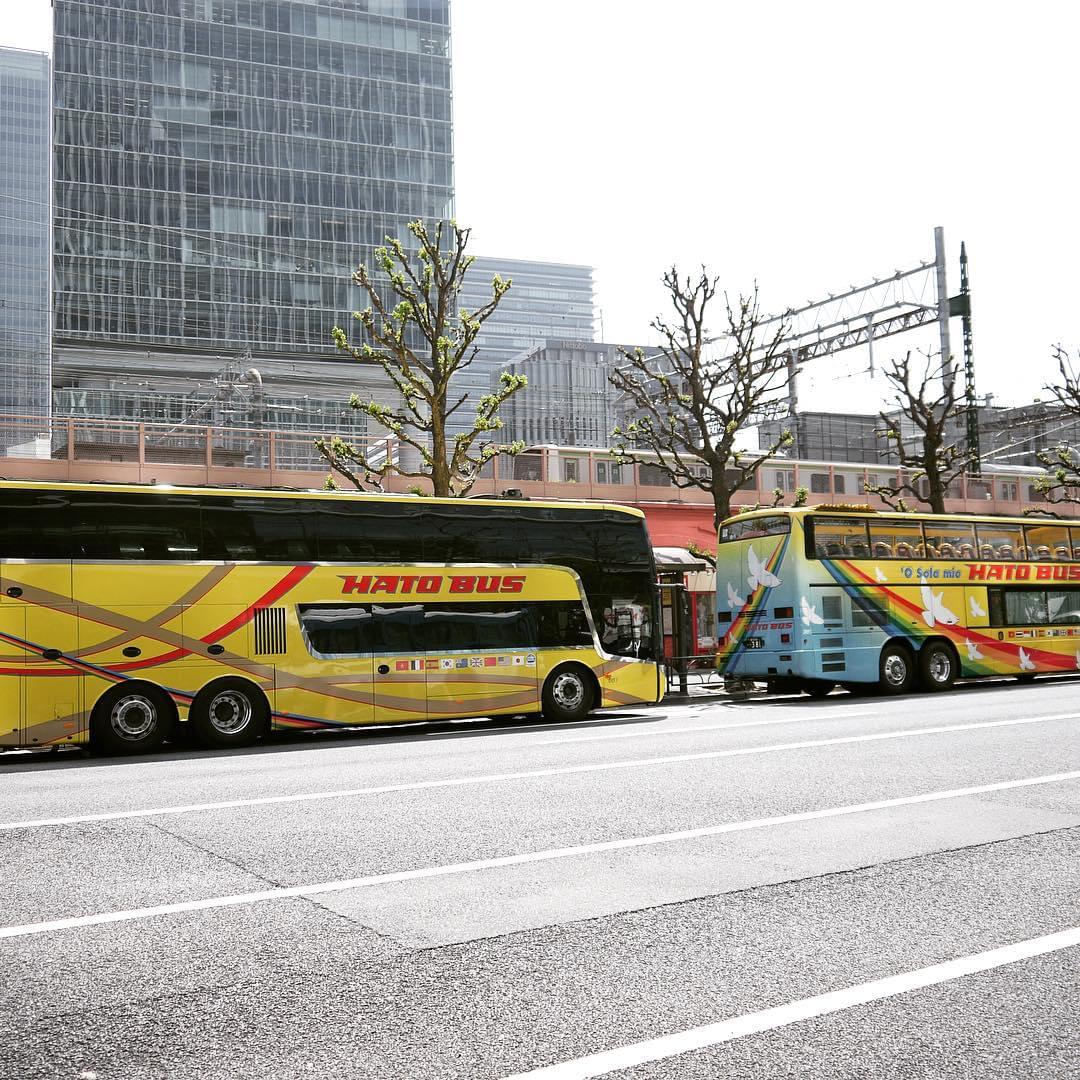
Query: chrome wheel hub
(895, 670)
(133, 717)
(940, 667)
(568, 691)
(230, 712)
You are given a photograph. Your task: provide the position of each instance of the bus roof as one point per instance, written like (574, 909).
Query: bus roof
(275, 493)
(860, 510)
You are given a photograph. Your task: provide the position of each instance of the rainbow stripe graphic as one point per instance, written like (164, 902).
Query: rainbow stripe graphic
(733, 644)
(982, 651)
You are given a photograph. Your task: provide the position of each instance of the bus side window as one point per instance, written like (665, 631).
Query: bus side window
(840, 538)
(116, 527)
(399, 629)
(338, 629)
(478, 627)
(1001, 542)
(37, 525)
(895, 539)
(561, 623)
(228, 531)
(997, 607)
(354, 531)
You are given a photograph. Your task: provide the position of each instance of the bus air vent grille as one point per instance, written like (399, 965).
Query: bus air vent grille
(831, 643)
(269, 631)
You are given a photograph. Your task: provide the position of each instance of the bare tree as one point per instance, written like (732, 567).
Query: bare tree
(422, 341)
(1062, 485)
(685, 409)
(930, 463)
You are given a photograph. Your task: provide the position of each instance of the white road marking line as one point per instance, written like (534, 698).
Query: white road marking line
(531, 774)
(323, 887)
(628, 1057)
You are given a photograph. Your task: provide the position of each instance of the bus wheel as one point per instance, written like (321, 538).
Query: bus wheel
(896, 669)
(229, 712)
(937, 666)
(568, 693)
(131, 719)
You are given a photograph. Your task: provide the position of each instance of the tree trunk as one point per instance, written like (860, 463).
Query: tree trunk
(935, 490)
(440, 467)
(721, 506)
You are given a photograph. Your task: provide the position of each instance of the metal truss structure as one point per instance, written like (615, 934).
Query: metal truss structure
(864, 314)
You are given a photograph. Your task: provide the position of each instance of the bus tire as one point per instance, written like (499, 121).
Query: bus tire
(896, 669)
(131, 718)
(229, 712)
(568, 693)
(938, 666)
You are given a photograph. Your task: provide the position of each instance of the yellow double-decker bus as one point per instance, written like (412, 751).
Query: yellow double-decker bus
(823, 595)
(131, 615)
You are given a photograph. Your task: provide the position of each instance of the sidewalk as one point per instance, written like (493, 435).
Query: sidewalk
(699, 684)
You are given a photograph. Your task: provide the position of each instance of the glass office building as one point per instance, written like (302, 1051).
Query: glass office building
(222, 165)
(546, 300)
(25, 222)
(569, 400)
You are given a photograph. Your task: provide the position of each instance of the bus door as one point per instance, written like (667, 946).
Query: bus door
(13, 658)
(399, 662)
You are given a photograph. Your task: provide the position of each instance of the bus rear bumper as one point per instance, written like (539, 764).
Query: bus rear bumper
(857, 664)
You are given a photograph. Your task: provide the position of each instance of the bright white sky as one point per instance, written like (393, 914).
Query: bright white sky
(807, 146)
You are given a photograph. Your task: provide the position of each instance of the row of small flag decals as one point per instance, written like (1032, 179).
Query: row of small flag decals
(450, 663)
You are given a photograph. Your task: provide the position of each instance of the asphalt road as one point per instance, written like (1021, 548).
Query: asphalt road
(856, 887)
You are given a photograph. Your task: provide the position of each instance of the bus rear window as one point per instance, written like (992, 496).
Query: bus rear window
(752, 528)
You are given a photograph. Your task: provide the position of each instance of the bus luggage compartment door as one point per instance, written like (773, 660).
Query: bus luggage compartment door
(482, 660)
(52, 703)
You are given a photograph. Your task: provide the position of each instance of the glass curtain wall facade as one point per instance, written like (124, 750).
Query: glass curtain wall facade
(546, 300)
(25, 224)
(830, 437)
(569, 400)
(222, 165)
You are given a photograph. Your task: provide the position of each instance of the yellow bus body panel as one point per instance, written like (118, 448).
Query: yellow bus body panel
(182, 625)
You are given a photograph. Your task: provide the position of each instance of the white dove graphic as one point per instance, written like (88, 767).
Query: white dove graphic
(809, 615)
(1026, 663)
(973, 651)
(879, 575)
(934, 609)
(758, 574)
(733, 598)
(976, 608)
